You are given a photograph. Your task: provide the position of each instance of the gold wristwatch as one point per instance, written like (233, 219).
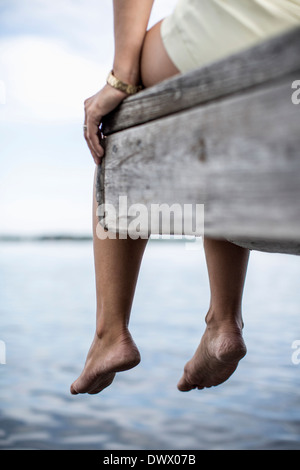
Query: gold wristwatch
(119, 85)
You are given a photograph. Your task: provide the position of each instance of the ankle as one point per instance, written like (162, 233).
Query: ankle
(110, 323)
(216, 319)
(112, 333)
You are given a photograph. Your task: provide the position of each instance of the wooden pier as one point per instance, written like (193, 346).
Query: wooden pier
(226, 135)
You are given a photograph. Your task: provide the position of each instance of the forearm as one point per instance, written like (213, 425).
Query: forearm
(130, 24)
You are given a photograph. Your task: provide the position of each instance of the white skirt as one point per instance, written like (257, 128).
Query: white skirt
(203, 31)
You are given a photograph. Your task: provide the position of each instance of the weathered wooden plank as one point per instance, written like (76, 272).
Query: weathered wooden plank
(290, 247)
(267, 61)
(238, 156)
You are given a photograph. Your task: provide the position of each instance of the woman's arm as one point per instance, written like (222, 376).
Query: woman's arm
(130, 24)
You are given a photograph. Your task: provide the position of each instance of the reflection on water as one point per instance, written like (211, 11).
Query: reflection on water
(47, 305)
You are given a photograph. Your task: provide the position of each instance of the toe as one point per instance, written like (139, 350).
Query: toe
(101, 384)
(73, 390)
(183, 385)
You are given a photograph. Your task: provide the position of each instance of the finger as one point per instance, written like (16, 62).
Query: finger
(95, 157)
(93, 137)
(85, 133)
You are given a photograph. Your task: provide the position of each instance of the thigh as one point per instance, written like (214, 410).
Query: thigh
(156, 65)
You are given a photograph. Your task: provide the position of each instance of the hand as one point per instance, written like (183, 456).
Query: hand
(95, 107)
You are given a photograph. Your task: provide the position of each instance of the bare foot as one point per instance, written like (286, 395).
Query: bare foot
(106, 357)
(216, 358)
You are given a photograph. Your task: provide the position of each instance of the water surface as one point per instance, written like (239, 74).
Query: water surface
(47, 308)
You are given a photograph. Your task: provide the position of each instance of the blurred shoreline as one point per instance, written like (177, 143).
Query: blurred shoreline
(42, 238)
(83, 238)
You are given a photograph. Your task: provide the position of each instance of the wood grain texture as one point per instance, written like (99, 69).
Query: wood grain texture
(226, 136)
(267, 61)
(239, 156)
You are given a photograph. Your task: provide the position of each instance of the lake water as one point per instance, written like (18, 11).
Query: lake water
(47, 308)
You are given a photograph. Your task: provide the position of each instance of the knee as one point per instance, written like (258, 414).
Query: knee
(155, 62)
(149, 55)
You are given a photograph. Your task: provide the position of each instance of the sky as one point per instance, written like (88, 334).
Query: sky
(53, 55)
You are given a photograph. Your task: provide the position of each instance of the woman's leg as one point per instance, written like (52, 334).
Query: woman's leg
(117, 263)
(156, 65)
(222, 345)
